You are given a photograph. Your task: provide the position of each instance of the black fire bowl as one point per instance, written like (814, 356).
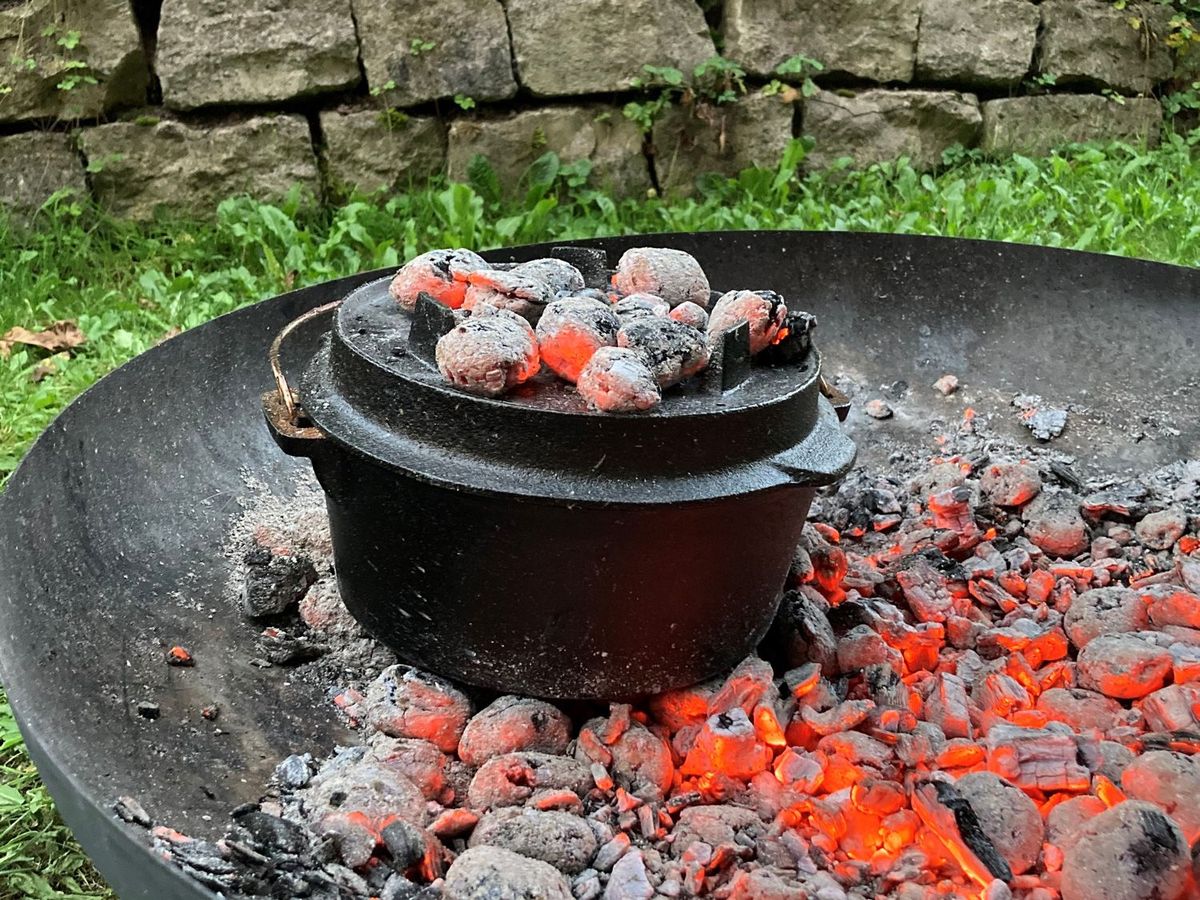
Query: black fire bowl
(110, 531)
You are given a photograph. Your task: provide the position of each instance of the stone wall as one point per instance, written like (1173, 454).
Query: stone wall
(178, 103)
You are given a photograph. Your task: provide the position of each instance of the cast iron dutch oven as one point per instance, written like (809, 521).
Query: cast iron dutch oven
(528, 544)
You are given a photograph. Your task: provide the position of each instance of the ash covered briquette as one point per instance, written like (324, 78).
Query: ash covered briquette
(439, 273)
(983, 683)
(763, 310)
(664, 292)
(488, 354)
(673, 275)
(617, 379)
(570, 332)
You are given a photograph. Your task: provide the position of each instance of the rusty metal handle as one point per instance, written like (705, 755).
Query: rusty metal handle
(283, 390)
(840, 402)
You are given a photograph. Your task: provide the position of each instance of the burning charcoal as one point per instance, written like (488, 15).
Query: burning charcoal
(511, 779)
(275, 576)
(641, 760)
(611, 851)
(406, 703)
(673, 351)
(180, 657)
(951, 817)
(878, 409)
(1123, 500)
(1171, 606)
(641, 306)
(295, 771)
(1173, 708)
(715, 826)
(1170, 781)
(671, 274)
(1110, 610)
(376, 793)
(846, 715)
(799, 770)
(561, 839)
(1010, 484)
(855, 748)
(1053, 523)
(488, 355)
(1007, 816)
(1045, 422)
(1114, 759)
(802, 633)
(571, 330)
(1068, 817)
(946, 385)
(861, 647)
(557, 274)
(488, 873)
(419, 761)
(629, 880)
(1130, 852)
(129, 810)
(728, 743)
(684, 706)
(1160, 530)
(691, 314)
(1123, 666)
(439, 273)
(764, 311)
(618, 380)
(750, 683)
(511, 724)
(1036, 758)
(925, 591)
(948, 708)
(521, 295)
(1081, 709)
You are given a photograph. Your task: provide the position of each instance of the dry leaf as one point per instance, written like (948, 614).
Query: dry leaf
(170, 333)
(63, 335)
(48, 366)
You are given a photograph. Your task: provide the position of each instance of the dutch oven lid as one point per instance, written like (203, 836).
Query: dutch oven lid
(373, 388)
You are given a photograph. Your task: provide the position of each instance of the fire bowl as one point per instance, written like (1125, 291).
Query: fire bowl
(110, 532)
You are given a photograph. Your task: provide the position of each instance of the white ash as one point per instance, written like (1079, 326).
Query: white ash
(439, 273)
(489, 355)
(673, 275)
(571, 330)
(617, 379)
(673, 351)
(764, 311)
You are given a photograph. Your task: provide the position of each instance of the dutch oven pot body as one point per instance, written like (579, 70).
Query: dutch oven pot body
(529, 546)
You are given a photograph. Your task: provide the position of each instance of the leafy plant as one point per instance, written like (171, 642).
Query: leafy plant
(464, 102)
(417, 46)
(386, 87)
(801, 68)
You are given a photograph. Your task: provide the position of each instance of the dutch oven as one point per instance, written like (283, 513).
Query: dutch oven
(531, 545)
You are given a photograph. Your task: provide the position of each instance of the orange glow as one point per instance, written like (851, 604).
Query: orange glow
(1108, 792)
(781, 335)
(767, 726)
(1188, 544)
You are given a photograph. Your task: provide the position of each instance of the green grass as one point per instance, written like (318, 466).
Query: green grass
(127, 287)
